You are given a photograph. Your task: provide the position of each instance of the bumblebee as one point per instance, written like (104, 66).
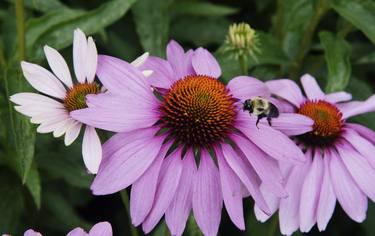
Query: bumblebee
(261, 108)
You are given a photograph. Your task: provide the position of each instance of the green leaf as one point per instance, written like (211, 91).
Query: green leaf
(360, 13)
(152, 23)
(11, 204)
(202, 9)
(367, 59)
(22, 135)
(42, 5)
(56, 29)
(33, 184)
(337, 55)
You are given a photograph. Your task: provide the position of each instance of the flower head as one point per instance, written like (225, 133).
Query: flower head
(340, 164)
(184, 141)
(60, 96)
(100, 229)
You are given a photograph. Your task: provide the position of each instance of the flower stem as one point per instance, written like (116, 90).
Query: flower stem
(20, 24)
(125, 200)
(321, 8)
(243, 64)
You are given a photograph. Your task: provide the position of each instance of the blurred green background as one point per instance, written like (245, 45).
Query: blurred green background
(43, 184)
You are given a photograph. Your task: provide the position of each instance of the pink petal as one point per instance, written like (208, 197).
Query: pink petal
(167, 185)
(79, 55)
(162, 75)
(246, 87)
(205, 64)
(346, 190)
(91, 150)
(286, 89)
(91, 60)
(43, 80)
(311, 87)
(118, 114)
(127, 164)
(350, 109)
(179, 209)
(361, 145)
(143, 190)
(232, 191)
(327, 198)
(265, 166)
(207, 196)
(121, 78)
(291, 123)
(246, 174)
(271, 141)
(31, 232)
(272, 202)
(77, 232)
(101, 229)
(180, 62)
(289, 207)
(58, 65)
(338, 97)
(310, 193)
(359, 168)
(365, 132)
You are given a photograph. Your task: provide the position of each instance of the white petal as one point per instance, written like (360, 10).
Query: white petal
(91, 150)
(140, 60)
(51, 125)
(72, 133)
(58, 65)
(43, 80)
(34, 99)
(64, 126)
(91, 60)
(45, 117)
(147, 73)
(79, 55)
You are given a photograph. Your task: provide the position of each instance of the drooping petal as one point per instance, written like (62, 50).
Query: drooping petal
(168, 181)
(266, 167)
(346, 190)
(363, 174)
(63, 127)
(311, 87)
(91, 149)
(361, 145)
(53, 124)
(310, 193)
(327, 198)
(31, 232)
(58, 65)
(289, 207)
(162, 75)
(43, 80)
(247, 175)
(207, 196)
(338, 97)
(354, 108)
(286, 89)
(101, 229)
(91, 60)
(246, 87)
(72, 133)
(272, 202)
(143, 190)
(179, 209)
(79, 55)
(232, 191)
(291, 123)
(205, 64)
(77, 232)
(261, 136)
(363, 131)
(34, 99)
(180, 62)
(123, 167)
(117, 113)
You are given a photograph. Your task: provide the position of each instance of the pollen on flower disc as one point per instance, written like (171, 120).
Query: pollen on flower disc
(75, 98)
(198, 110)
(328, 122)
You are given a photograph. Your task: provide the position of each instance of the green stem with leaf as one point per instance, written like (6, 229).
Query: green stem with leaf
(20, 24)
(244, 64)
(125, 200)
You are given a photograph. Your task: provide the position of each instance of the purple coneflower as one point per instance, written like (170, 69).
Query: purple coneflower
(184, 141)
(100, 229)
(340, 163)
(60, 96)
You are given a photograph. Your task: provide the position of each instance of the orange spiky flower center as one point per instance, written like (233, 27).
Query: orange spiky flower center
(328, 122)
(198, 110)
(75, 98)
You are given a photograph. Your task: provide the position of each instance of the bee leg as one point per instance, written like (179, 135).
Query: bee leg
(269, 121)
(256, 124)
